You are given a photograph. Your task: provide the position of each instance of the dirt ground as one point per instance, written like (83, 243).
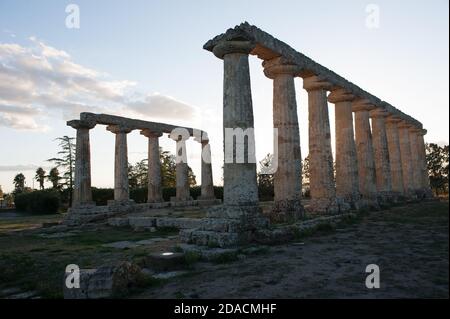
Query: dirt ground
(409, 244)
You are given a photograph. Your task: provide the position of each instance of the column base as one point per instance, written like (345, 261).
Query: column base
(181, 199)
(286, 211)
(323, 206)
(81, 205)
(206, 197)
(121, 202)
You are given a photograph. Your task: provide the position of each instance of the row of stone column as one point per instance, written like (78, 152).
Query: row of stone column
(371, 164)
(82, 186)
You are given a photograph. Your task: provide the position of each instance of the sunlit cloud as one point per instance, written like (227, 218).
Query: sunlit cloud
(39, 81)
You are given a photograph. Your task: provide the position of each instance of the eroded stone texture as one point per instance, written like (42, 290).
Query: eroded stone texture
(364, 150)
(322, 188)
(121, 188)
(381, 154)
(288, 175)
(405, 151)
(425, 180)
(182, 172)
(416, 167)
(240, 186)
(154, 167)
(82, 192)
(394, 154)
(207, 187)
(347, 182)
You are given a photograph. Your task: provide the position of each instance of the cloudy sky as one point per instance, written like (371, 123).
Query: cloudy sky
(144, 59)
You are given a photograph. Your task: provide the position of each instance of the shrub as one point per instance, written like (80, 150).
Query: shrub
(40, 202)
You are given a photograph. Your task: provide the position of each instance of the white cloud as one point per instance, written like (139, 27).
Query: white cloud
(39, 81)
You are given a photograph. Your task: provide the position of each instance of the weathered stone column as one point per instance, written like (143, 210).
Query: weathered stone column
(288, 175)
(395, 160)
(425, 180)
(381, 154)
(154, 167)
(347, 182)
(182, 172)
(416, 166)
(121, 188)
(322, 188)
(82, 192)
(240, 185)
(405, 151)
(207, 187)
(364, 150)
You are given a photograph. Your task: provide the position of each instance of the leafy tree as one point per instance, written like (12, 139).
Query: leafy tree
(305, 170)
(265, 180)
(40, 177)
(54, 178)
(19, 183)
(66, 162)
(1, 192)
(438, 166)
(138, 173)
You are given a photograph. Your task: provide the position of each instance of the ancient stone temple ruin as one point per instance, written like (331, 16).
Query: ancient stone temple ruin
(379, 162)
(84, 209)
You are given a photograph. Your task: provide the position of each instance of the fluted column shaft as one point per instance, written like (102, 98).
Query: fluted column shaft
(288, 174)
(364, 149)
(394, 154)
(381, 152)
(322, 188)
(425, 180)
(240, 184)
(405, 151)
(121, 188)
(82, 192)
(207, 188)
(415, 163)
(182, 172)
(347, 183)
(154, 193)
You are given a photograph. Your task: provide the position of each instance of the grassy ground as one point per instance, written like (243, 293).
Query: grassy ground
(33, 263)
(410, 244)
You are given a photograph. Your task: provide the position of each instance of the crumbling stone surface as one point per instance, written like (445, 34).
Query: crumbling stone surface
(104, 282)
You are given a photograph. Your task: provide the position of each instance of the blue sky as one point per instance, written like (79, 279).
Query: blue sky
(148, 54)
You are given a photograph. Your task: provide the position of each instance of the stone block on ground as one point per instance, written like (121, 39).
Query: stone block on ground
(104, 282)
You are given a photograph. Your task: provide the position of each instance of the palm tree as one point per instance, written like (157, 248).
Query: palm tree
(19, 183)
(54, 177)
(40, 177)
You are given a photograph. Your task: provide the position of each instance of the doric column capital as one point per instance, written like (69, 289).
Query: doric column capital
(315, 82)
(403, 124)
(362, 105)
(392, 119)
(415, 129)
(116, 129)
(340, 95)
(76, 124)
(280, 65)
(149, 133)
(378, 113)
(203, 138)
(233, 46)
